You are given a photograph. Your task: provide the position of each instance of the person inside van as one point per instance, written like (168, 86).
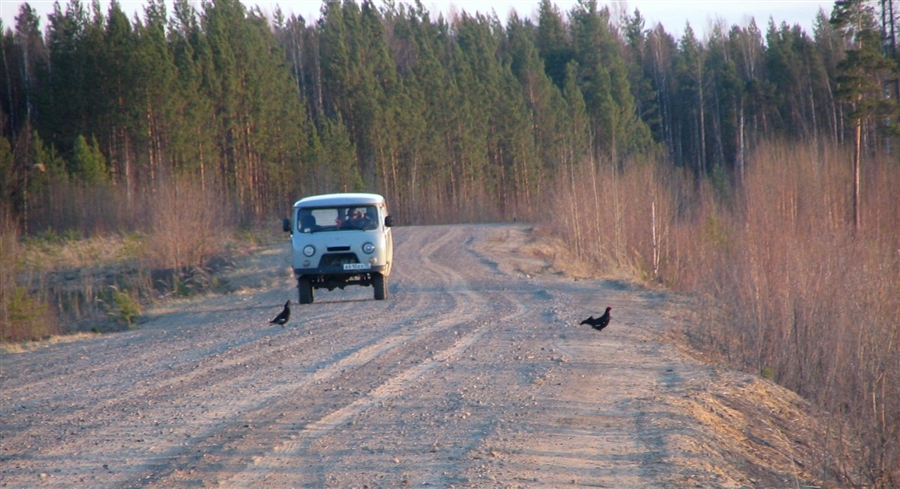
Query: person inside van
(370, 218)
(307, 223)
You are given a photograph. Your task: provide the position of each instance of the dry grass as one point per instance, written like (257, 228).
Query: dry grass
(47, 253)
(59, 281)
(22, 314)
(787, 289)
(755, 425)
(70, 209)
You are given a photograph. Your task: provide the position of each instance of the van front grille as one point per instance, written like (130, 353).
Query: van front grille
(337, 259)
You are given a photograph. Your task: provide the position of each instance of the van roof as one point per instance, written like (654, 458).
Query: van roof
(328, 200)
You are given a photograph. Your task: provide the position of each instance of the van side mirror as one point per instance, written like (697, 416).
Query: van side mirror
(388, 221)
(286, 225)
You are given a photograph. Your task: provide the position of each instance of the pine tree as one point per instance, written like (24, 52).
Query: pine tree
(604, 80)
(543, 97)
(552, 42)
(339, 158)
(515, 121)
(192, 147)
(692, 102)
(726, 94)
(117, 87)
(747, 51)
(9, 187)
(421, 159)
(640, 77)
(480, 78)
(579, 130)
(49, 165)
(64, 103)
(861, 79)
(32, 69)
(662, 50)
(830, 50)
(578, 146)
(88, 164)
(786, 72)
(154, 95)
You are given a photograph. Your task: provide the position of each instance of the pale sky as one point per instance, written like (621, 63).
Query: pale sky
(672, 14)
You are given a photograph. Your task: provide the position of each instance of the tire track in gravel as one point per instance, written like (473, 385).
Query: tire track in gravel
(293, 453)
(396, 335)
(173, 386)
(239, 426)
(474, 373)
(175, 391)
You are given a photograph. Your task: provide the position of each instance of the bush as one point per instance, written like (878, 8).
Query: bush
(126, 308)
(22, 315)
(189, 225)
(789, 291)
(94, 253)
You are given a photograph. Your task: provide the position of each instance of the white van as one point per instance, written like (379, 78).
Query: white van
(339, 240)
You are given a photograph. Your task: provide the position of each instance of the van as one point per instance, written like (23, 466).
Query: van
(339, 240)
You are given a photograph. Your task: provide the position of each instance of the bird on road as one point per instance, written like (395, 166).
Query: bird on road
(600, 322)
(284, 315)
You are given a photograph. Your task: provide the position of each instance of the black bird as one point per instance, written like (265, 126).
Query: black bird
(284, 315)
(600, 322)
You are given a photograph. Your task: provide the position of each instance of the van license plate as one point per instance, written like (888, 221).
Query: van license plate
(357, 266)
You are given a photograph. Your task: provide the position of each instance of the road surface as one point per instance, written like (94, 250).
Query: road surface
(474, 373)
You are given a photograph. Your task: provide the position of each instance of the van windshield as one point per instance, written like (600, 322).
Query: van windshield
(345, 218)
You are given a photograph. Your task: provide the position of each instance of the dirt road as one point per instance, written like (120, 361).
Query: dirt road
(474, 373)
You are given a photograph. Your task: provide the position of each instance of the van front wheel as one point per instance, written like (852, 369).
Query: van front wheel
(380, 284)
(306, 290)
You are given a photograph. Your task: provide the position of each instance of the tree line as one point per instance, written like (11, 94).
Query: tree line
(460, 118)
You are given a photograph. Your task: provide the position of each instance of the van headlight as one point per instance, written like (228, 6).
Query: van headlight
(368, 248)
(309, 250)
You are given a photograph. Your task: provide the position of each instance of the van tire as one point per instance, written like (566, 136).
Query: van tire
(380, 284)
(304, 286)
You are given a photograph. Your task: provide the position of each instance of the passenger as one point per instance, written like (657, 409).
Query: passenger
(353, 219)
(308, 223)
(370, 219)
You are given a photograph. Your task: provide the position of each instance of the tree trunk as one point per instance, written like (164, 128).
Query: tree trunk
(857, 144)
(741, 152)
(701, 161)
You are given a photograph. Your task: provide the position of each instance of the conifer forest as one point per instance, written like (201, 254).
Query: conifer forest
(462, 118)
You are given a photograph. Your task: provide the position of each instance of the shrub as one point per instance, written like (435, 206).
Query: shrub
(789, 291)
(189, 225)
(126, 308)
(22, 315)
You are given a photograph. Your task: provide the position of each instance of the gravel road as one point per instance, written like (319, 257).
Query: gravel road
(474, 373)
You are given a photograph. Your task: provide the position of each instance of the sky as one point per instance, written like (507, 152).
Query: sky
(672, 14)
